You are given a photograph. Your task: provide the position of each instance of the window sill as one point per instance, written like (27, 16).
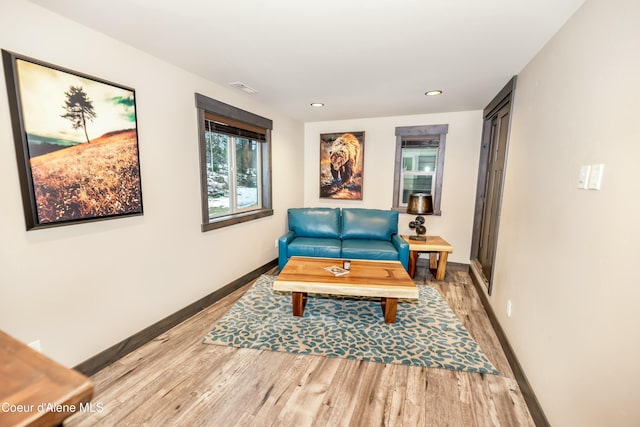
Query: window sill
(225, 221)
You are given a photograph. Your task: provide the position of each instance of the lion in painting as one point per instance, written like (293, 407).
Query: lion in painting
(343, 156)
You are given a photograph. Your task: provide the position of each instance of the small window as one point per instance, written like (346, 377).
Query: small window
(235, 164)
(419, 164)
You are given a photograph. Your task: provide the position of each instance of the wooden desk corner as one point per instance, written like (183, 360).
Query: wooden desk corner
(35, 390)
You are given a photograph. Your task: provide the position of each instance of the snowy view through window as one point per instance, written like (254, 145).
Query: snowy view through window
(232, 174)
(418, 170)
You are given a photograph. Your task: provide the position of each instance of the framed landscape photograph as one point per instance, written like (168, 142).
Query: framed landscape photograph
(76, 143)
(341, 165)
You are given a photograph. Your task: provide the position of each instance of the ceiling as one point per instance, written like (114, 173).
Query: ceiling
(361, 58)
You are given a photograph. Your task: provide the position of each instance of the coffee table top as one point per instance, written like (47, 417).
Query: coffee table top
(366, 278)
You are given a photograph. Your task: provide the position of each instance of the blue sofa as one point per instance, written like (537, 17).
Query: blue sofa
(349, 233)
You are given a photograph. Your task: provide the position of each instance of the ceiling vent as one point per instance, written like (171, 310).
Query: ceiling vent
(243, 87)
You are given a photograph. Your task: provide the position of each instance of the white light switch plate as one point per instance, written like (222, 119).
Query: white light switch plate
(595, 177)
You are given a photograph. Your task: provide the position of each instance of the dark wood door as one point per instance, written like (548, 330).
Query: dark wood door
(493, 157)
(499, 133)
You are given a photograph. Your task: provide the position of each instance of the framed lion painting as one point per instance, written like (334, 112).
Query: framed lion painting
(341, 165)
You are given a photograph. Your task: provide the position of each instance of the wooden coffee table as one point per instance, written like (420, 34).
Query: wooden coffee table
(385, 279)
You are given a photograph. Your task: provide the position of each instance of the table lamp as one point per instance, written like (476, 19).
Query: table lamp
(419, 204)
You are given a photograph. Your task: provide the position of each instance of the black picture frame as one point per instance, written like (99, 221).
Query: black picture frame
(76, 141)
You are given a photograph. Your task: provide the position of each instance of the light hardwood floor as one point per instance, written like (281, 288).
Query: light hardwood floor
(175, 380)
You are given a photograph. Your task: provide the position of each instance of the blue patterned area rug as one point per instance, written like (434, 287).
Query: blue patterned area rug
(426, 333)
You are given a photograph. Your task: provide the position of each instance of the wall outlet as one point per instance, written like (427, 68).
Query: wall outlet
(508, 308)
(276, 244)
(36, 345)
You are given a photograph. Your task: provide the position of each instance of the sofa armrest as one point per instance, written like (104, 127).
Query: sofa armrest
(403, 250)
(283, 244)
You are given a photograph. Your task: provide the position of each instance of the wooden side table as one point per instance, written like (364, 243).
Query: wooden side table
(436, 246)
(35, 390)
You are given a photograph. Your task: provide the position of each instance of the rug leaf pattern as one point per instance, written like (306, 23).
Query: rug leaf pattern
(426, 333)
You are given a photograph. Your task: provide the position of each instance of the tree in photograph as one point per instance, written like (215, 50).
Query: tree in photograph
(79, 109)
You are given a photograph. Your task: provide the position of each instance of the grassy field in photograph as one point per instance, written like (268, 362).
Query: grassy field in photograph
(96, 179)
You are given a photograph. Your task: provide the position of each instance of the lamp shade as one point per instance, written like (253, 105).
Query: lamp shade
(420, 204)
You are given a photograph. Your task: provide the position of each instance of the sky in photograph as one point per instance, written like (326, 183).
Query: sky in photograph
(42, 93)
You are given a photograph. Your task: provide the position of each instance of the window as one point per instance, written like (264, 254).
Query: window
(419, 163)
(235, 164)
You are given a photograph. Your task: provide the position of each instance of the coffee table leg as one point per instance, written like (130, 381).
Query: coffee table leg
(299, 300)
(389, 307)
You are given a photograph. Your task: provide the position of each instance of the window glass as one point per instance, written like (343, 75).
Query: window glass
(217, 173)
(233, 173)
(415, 184)
(418, 171)
(247, 173)
(419, 159)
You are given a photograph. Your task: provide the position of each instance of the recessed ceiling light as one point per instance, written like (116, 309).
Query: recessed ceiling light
(317, 104)
(433, 93)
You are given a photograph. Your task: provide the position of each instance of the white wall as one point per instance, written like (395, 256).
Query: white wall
(82, 288)
(567, 257)
(458, 184)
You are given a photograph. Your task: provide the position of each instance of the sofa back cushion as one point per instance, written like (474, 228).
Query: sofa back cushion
(372, 224)
(315, 222)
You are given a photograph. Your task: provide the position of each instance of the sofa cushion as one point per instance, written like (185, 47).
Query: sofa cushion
(373, 224)
(314, 247)
(315, 222)
(369, 249)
